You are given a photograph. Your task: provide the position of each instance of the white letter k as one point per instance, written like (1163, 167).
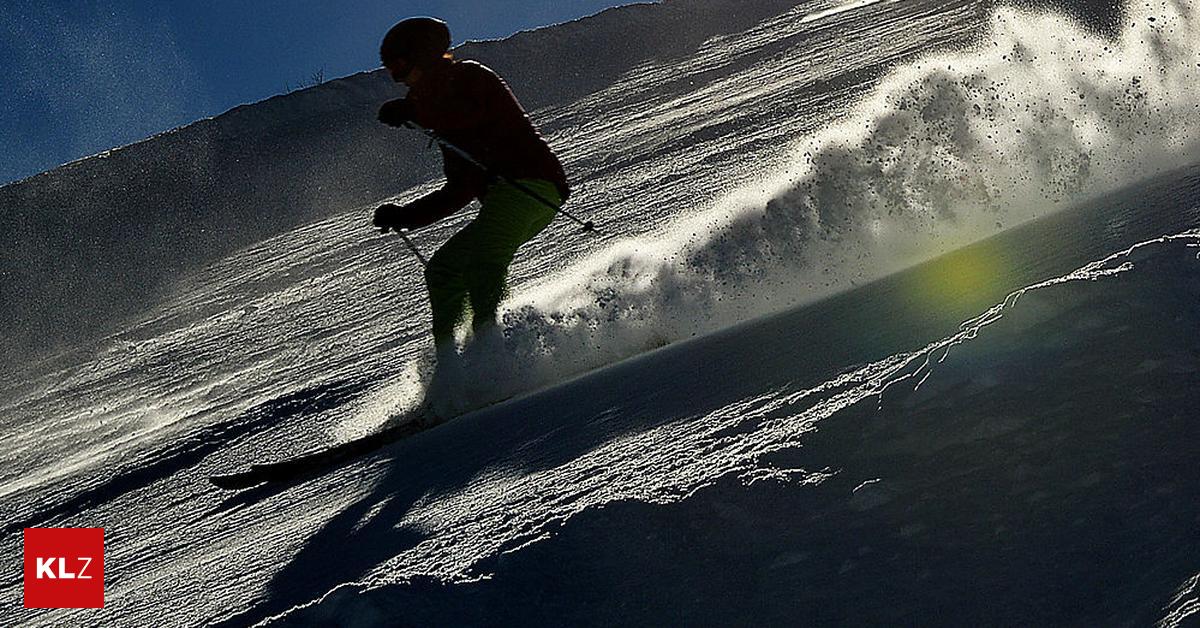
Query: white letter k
(43, 568)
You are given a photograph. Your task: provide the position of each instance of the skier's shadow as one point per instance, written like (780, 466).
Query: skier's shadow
(350, 543)
(524, 437)
(544, 431)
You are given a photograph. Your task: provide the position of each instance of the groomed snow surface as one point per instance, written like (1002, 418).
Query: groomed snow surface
(891, 321)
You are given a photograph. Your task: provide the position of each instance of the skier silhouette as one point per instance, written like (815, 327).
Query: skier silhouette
(517, 179)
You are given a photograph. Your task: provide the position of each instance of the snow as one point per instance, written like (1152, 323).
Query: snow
(803, 428)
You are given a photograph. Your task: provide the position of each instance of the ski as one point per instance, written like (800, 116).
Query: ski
(318, 461)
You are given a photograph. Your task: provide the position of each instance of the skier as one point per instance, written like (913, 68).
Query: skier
(517, 179)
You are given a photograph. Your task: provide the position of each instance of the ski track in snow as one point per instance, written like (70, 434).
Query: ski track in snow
(849, 6)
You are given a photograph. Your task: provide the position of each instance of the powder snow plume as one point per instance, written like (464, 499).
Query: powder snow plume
(945, 151)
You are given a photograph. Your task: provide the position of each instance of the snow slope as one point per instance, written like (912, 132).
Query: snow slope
(1034, 466)
(775, 162)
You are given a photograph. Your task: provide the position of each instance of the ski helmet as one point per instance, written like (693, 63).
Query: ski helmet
(416, 39)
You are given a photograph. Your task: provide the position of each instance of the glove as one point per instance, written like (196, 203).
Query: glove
(392, 216)
(419, 213)
(396, 112)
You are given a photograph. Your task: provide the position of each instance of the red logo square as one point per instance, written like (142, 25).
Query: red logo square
(64, 567)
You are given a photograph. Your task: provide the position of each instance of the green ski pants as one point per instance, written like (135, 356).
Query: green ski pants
(474, 262)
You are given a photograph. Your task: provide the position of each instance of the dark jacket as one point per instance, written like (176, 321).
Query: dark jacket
(471, 107)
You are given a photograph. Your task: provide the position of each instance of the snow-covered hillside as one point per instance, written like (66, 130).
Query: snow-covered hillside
(769, 178)
(111, 232)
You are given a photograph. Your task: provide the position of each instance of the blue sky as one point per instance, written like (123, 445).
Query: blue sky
(81, 76)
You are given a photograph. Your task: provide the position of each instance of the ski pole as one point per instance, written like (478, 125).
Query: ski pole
(403, 233)
(412, 247)
(586, 224)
